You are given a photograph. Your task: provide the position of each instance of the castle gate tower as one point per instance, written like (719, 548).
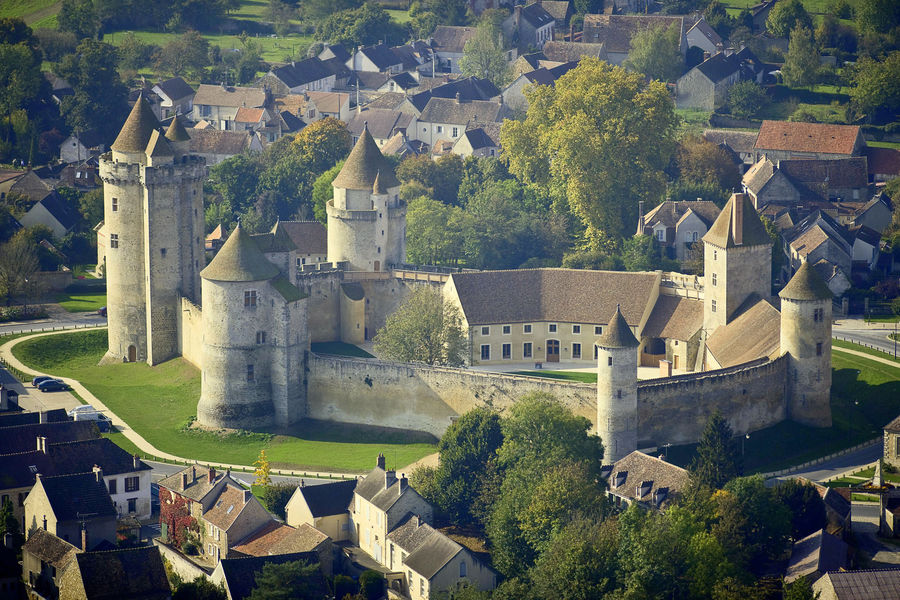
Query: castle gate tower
(153, 216)
(366, 218)
(737, 258)
(617, 389)
(806, 339)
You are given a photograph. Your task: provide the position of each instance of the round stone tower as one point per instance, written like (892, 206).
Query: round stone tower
(617, 389)
(235, 390)
(806, 340)
(366, 218)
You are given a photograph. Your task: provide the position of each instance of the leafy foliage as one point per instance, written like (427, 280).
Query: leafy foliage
(801, 63)
(262, 470)
(746, 99)
(701, 161)
(425, 328)
(200, 588)
(656, 52)
(297, 579)
(806, 506)
(876, 86)
(364, 26)
(717, 461)
(786, 16)
(483, 56)
(276, 497)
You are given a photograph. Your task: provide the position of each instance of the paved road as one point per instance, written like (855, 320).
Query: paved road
(873, 334)
(837, 466)
(865, 528)
(163, 470)
(58, 318)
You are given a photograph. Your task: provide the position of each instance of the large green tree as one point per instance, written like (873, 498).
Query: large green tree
(801, 63)
(20, 69)
(717, 460)
(879, 16)
(434, 232)
(876, 87)
(656, 53)
(363, 26)
(425, 328)
(187, 55)
(596, 141)
(581, 562)
(746, 98)
(806, 506)
(287, 581)
(701, 161)
(323, 191)
(786, 16)
(483, 56)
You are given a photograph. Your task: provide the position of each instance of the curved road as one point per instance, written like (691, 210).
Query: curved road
(871, 334)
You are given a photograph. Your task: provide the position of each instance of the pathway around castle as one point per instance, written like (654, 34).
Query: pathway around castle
(133, 436)
(871, 334)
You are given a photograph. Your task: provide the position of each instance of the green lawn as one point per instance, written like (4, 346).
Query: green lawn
(693, 121)
(274, 49)
(81, 302)
(858, 348)
(825, 102)
(578, 376)
(339, 348)
(877, 144)
(158, 402)
(24, 8)
(399, 16)
(816, 8)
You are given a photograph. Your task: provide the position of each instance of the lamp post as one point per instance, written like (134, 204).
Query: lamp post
(666, 446)
(25, 303)
(743, 439)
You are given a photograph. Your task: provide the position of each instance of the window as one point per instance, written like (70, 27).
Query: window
(260, 337)
(250, 299)
(485, 331)
(507, 330)
(715, 254)
(205, 110)
(132, 505)
(162, 251)
(115, 204)
(714, 279)
(609, 361)
(661, 235)
(526, 350)
(455, 131)
(552, 327)
(576, 350)
(819, 349)
(526, 328)
(596, 352)
(713, 306)
(114, 240)
(507, 351)
(112, 485)
(819, 315)
(598, 330)
(312, 113)
(463, 569)
(485, 352)
(21, 500)
(421, 587)
(576, 329)
(132, 484)
(694, 236)
(440, 129)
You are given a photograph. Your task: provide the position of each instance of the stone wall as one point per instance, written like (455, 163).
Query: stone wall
(190, 333)
(185, 568)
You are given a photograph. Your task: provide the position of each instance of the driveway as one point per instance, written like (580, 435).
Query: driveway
(865, 529)
(32, 399)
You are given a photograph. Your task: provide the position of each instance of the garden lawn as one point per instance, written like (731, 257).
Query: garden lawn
(577, 376)
(26, 8)
(158, 402)
(339, 348)
(81, 302)
(858, 348)
(274, 49)
(399, 16)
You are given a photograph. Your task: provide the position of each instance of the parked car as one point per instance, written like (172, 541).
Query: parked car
(86, 412)
(53, 385)
(102, 311)
(39, 379)
(104, 423)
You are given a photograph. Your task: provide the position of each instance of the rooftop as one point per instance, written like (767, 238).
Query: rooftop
(220, 95)
(754, 333)
(642, 477)
(616, 31)
(240, 259)
(73, 496)
(806, 285)
(364, 163)
(724, 229)
(807, 137)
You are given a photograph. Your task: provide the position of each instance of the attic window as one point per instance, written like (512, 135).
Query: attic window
(660, 496)
(230, 508)
(621, 476)
(33, 468)
(644, 488)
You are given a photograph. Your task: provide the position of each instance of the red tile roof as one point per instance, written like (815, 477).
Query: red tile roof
(807, 137)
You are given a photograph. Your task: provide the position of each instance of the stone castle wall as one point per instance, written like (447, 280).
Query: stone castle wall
(190, 333)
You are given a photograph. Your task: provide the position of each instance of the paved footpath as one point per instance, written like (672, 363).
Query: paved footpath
(879, 359)
(136, 438)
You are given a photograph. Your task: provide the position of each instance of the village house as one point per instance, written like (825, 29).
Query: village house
(21, 437)
(514, 94)
(702, 36)
(883, 163)
(615, 32)
(779, 140)
(176, 97)
(792, 182)
(324, 507)
(310, 239)
(529, 27)
(646, 480)
(215, 145)
(478, 140)
(277, 538)
(308, 75)
(446, 119)
(677, 225)
(52, 211)
(447, 42)
(858, 585)
(815, 555)
(706, 85)
(379, 58)
(80, 146)
(122, 573)
(739, 145)
(382, 124)
(875, 214)
(825, 244)
(562, 51)
(233, 514)
(320, 105)
(218, 105)
(401, 147)
(44, 558)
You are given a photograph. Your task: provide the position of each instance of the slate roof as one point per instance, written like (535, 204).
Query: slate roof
(572, 51)
(277, 538)
(372, 488)
(214, 141)
(616, 31)
(300, 73)
(617, 334)
(402, 146)
(753, 231)
(481, 137)
(175, 88)
(310, 237)
(275, 240)
(450, 38)
(816, 228)
(31, 185)
(806, 285)
(367, 80)
(388, 101)
(128, 573)
(560, 10)
(334, 51)
(675, 317)
(754, 334)
(71, 496)
(670, 212)
(218, 95)
(807, 137)
(138, 127)
(198, 487)
(239, 259)
(226, 507)
(19, 469)
(90, 138)
(382, 123)
(708, 32)
(240, 573)
(50, 549)
(431, 556)
(883, 161)
(291, 122)
(382, 56)
(363, 164)
(446, 110)
(555, 295)
(830, 173)
(23, 438)
(817, 552)
(719, 66)
(636, 468)
(536, 15)
(738, 141)
(328, 499)
(12, 419)
(872, 584)
(468, 88)
(60, 209)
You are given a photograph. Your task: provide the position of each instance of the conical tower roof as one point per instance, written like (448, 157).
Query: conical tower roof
(176, 131)
(378, 186)
(158, 145)
(806, 284)
(138, 128)
(363, 166)
(240, 259)
(617, 334)
(753, 232)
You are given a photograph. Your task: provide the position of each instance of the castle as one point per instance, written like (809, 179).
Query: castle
(247, 319)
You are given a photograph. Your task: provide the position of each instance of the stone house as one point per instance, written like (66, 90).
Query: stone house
(266, 125)
(615, 32)
(514, 93)
(383, 124)
(218, 104)
(562, 51)
(81, 146)
(479, 140)
(76, 508)
(320, 105)
(234, 513)
(807, 182)
(447, 42)
(238, 575)
(125, 573)
(44, 558)
(308, 75)
(380, 58)
(194, 488)
(858, 585)
(277, 538)
(788, 139)
(706, 85)
(739, 144)
(176, 97)
(815, 555)
(51, 211)
(529, 26)
(215, 145)
(838, 508)
(649, 481)
(702, 36)
(875, 214)
(324, 507)
(677, 225)
(817, 238)
(310, 239)
(866, 247)
(884, 163)
(445, 119)
(760, 321)
(562, 12)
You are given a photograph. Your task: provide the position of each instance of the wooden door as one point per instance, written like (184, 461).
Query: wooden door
(377, 265)
(675, 362)
(132, 354)
(552, 351)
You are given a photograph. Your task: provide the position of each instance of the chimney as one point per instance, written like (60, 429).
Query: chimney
(389, 478)
(517, 17)
(571, 32)
(43, 418)
(640, 217)
(45, 522)
(247, 495)
(184, 483)
(737, 219)
(302, 483)
(379, 462)
(42, 444)
(416, 520)
(211, 475)
(404, 483)
(457, 97)
(137, 462)
(193, 473)
(705, 56)
(98, 473)
(84, 538)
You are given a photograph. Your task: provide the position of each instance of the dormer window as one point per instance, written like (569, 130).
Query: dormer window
(644, 488)
(620, 478)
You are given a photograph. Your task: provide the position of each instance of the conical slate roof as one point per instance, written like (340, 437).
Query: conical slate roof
(378, 186)
(158, 145)
(138, 128)
(363, 165)
(176, 132)
(806, 284)
(753, 231)
(617, 334)
(240, 259)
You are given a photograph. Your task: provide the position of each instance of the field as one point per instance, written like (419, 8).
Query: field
(160, 402)
(81, 302)
(816, 8)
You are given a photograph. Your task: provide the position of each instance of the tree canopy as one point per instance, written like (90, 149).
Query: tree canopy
(717, 460)
(483, 56)
(656, 52)
(785, 16)
(876, 86)
(801, 63)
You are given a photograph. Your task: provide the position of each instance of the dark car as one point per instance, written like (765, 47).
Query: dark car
(104, 423)
(37, 380)
(53, 385)
(102, 311)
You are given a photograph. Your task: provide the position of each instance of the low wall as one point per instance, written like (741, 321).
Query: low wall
(187, 570)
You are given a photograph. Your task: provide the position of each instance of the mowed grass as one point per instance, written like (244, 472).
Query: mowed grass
(858, 348)
(81, 302)
(816, 8)
(273, 49)
(577, 376)
(24, 8)
(399, 16)
(158, 402)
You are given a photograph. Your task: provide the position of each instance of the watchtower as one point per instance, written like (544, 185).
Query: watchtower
(617, 389)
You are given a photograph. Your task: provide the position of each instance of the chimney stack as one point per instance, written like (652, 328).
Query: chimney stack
(457, 97)
(137, 462)
(42, 444)
(247, 495)
(640, 217)
(84, 538)
(404, 483)
(737, 219)
(98, 473)
(184, 483)
(389, 478)
(45, 522)
(379, 462)
(43, 418)
(211, 475)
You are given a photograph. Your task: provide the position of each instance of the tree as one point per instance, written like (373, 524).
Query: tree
(287, 581)
(78, 17)
(322, 192)
(425, 328)
(801, 64)
(571, 144)
(877, 16)
(371, 585)
(483, 56)
(200, 588)
(701, 161)
(581, 562)
(262, 469)
(90, 205)
(134, 54)
(753, 524)
(746, 99)
(876, 86)
(18, 263)
(276, 497)
(800, 589)
(433, 232)
(280, 14)
(10, 524)
(320, 145)
(787, 16)
(717, 461)
(805, 505)
(363, 26)
(20, 68)
(643, 253)
(187, 55)
(656, 52)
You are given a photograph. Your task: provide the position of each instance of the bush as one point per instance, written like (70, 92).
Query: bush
(276, 497)
(371, 584)
(343, 586)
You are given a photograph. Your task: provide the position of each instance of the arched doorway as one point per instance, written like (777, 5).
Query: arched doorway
(552, 351)
(377, 265)
(132, 353)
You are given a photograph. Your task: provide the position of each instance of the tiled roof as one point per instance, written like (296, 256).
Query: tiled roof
(388, 101)
(807, 137)
(278, 538)
(806, 285)
(310, 237)
(363, 164)
(872, 584)
(240, 259)
(214, 141)
(176, 131)
(674, 317)
(883, 161)
(670, 212)
(832, 173)
(329, 102)
(753, 231)
(536, 15)
(218, 95)
(49, 549)
(560, 10)
(480, 137)
(703, 27)
(18, 470)
(198, 482)
(893, 426)
(758, 175)
(240, 573)
(175, 88)
(447, 110)
(382, 123)
(617, 334)
(563, 295)
(138, 127)
(448, 38)
(638, 468)
(817, 552)
(328, 499)
(299, 73)
(616, 31)
(827, 224)
(755, 333)
(128, 573)
(249, 115)
(739, 141)
(227, 506)
(22, 438)
(293, 103)
(71, 496)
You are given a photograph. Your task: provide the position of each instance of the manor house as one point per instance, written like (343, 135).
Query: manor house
(247, 318)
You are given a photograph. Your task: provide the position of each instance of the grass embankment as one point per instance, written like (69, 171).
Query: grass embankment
(339, 348)
(81, 302)
(159, 402)
(858, 348)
